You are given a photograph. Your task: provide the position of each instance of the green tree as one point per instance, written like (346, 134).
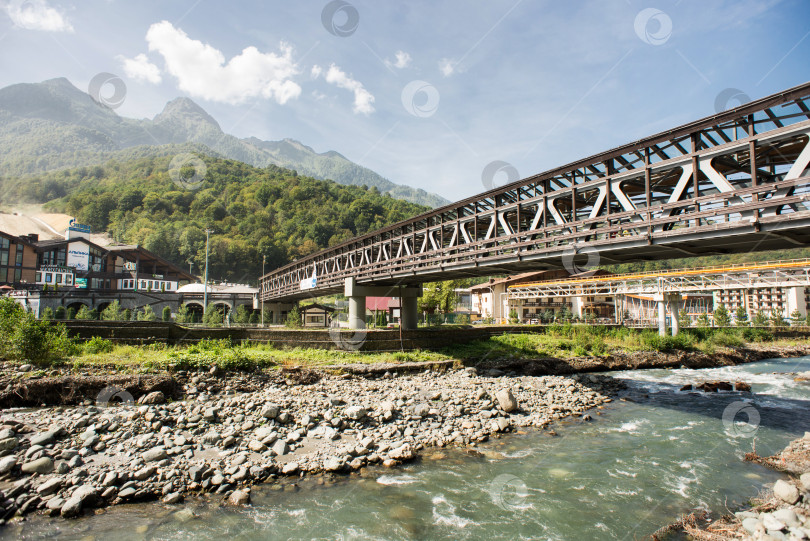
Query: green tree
(167, 314)
(147, 314)
(703, 320)
(47, 314)
(84, 313)
(183, 314)
(214, 316)
(722, 317)
(796, 318)
(113, 312)
(684, 321)
(60, 312)
(254, 318)
(777, 318)
(25, 338)
(242, 315)
(741, 316)
(565, 313)
(127, 314)
(71, 313)
(513, 316)
(760, 319)
(293, 318)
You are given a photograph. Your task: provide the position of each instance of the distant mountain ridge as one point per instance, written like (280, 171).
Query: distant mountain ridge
(54, 125)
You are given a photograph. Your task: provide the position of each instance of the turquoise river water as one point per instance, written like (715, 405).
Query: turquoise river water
(640, 464)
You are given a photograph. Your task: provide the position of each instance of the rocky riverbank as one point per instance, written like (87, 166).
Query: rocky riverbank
(781, 513)
(222, 438)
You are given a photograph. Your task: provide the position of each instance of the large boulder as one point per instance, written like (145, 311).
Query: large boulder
(155, 397)
(506, 400)
(786, 492)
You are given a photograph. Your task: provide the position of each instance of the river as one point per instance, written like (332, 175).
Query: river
(641, 463)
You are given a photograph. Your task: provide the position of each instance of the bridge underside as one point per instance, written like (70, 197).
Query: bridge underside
(733, 183)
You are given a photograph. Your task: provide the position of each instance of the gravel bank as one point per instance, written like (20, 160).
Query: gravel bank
(220, 439)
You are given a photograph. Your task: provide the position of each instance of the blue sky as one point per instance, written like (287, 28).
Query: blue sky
(425, 93)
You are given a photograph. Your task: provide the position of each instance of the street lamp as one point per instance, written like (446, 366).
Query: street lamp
(205, 287)
(261, 290)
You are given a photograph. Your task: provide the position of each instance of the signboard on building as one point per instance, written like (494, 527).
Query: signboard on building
(78, 256)
(81, 283)
(131, 266)
(56, 269)
(309, 283)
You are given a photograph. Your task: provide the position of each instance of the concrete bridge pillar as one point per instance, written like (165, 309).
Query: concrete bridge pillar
(357, 312)
(673, 300)
(357, 302)
(409, 313)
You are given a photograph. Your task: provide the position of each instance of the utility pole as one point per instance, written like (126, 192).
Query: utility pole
(261, 293)
(205, 288)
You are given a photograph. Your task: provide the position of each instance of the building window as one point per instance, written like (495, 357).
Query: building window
(59, 278)
(39, 277)
(4, 249)
(17, 275)
(69, 279)
(48, 277)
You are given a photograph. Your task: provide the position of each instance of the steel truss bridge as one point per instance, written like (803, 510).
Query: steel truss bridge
(777, 274)
(729, 183)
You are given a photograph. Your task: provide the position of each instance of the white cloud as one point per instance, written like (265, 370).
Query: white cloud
(403, 60)
(201, 70)
(447, 67)
(316, 72)
(140, 69)
(363, 99)
(37, 15)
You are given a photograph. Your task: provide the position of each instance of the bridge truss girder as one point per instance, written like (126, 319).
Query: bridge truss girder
(736, 181)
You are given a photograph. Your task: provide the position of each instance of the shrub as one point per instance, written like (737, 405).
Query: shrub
(112, 312)
(254, 318)
(777, 319)
(147, 314)
(47, 314)
(98, 345)
(23, 337)
(71, 313)
(167, 314)
(61, 313)
(241, 316)
(213, 316)
(84, 313)
(760, 319)
(655, 342)
(127, 315)
(293, 318)
(757, 335)
(463, 319)
(183, 314)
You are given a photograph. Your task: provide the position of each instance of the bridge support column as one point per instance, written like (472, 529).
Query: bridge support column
(409, 313)
(357, 312)
(357, 302)
(662, 318)
(673, 299)
(674, 309)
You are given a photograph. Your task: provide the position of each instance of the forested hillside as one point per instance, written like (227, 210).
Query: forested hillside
(253, 212)
(53, 125)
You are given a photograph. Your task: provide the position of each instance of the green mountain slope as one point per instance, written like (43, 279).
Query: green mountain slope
(253, 212)
(52, 125)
